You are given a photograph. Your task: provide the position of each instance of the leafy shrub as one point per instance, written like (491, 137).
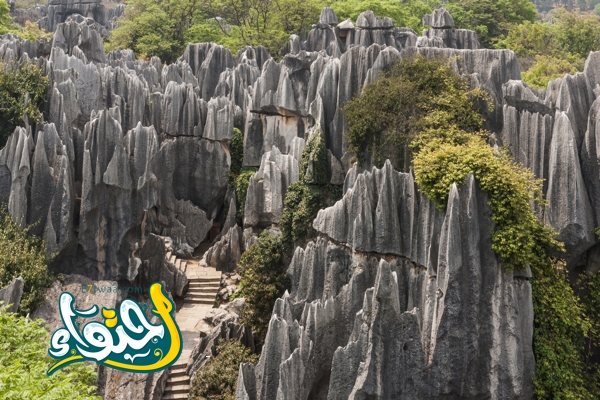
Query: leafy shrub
(236, 151)
(263, 280)
(560, 329)
(546, 69)
(417, 94)
(518, 237)
(24, 362)
(15, 82)
(23, 255)
(217, 380)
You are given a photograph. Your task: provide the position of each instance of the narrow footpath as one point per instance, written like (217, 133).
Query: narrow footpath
(203, 289)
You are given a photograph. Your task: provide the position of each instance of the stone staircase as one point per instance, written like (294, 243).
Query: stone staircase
(204, 284)
(178, 384)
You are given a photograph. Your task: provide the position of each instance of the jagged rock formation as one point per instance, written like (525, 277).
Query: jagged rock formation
(442, 27)
(10, 296)
(397, 300)
(59, 10)
(266, 190)
(553, 132)
(225, 254)
(226, 325)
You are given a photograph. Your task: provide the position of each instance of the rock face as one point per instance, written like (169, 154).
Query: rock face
(436, 317)
(226, 326)
(10, 296)
(553, 132)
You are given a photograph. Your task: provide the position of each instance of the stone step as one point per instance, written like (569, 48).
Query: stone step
(183, 266)
(177, 389)
(172, 259)
(169, 255)
(209, 302)
(178, 372)
(207, 288)
(201, 294)
(206, 296)
(178, 263)
(194, 282)
(175, 396)
(205, 279)
(182, 379)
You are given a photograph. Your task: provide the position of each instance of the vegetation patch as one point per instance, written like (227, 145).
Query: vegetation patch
(304, 199)
(24, 361)
(22, 254)
(217, 380)
(16, 81)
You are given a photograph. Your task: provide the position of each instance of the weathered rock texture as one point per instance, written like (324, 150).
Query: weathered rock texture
(10, 296)
(226, 325)
(397, 300)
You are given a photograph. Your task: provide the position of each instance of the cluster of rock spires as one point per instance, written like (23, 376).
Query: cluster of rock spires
(395, 299)
(49, 16)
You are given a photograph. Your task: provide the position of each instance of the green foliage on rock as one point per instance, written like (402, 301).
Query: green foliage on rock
(217, 380)
(416, 95)
(242, 181)
(304, 199)
(23, 255)
(16, 81)
(519, 238)
(263, 280)
(236, 151)
(24, 361)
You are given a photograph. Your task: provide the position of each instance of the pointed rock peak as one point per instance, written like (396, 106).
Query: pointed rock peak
(328, 16)
(453, 197)
(345, 25)
(440, 18)
(368, 20)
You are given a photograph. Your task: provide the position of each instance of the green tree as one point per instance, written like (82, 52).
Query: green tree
(16, 81)
(262, 22)
(155, 28)
(491, 19)
(24, 361)
(5, 20)
(578, 34)
(23, 255)
(217, 380)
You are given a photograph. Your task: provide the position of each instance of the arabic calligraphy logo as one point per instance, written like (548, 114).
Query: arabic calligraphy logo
(126, 340)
